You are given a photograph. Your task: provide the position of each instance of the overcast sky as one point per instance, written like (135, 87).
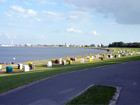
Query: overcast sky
(69, 21)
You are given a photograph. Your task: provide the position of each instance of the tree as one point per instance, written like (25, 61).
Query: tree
(122, 44)
(102, 45)
(92, 45)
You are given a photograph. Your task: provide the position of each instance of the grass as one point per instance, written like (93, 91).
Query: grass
(95, 95)
(14, 80)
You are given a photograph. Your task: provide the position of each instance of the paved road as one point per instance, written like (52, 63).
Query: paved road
(60, 89)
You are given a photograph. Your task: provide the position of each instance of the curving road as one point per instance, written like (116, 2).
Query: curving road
(58, 90)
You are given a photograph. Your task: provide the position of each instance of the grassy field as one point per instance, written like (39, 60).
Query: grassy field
(20, 78)
(95, 95)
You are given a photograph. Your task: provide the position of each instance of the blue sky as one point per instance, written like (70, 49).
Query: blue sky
(69, 21)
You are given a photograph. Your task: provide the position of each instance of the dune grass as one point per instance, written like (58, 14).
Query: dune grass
(14, 80)
(95, 95)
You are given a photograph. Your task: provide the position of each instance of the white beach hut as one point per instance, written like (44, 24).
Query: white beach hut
(26, 68)
(49, 64)
(82, 60)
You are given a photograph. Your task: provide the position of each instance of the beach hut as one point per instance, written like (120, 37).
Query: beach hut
(82, 60)
(20, 66)
(63, 62)
(53, 61)
(0, 67)
(106, 57)
(97, 56)
(67, 61)
(49, 64)
(9, 69)
(56, 61)
(122, 54)
(26, 68)
(111, 56)
(70, 62)
(32, 66)
(60, 61)
(29, 63)
(125, 54)
(116, 56)
(90, 59)
(102, 58)
(119, 55)
(73, 58)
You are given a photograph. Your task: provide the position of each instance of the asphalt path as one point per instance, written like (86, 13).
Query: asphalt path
(59, 89)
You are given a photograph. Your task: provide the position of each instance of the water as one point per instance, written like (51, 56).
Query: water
(24, 54)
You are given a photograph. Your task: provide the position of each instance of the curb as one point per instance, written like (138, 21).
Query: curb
(116, 96)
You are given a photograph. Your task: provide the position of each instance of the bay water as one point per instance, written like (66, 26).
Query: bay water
(24, 54)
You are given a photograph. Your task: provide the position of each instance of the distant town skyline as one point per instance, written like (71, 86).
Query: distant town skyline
(79, 22)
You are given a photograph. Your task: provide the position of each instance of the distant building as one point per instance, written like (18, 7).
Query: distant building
(6, 45)
(66, 45)
(28, 44)
(106, 46)
(12, 43)
(99, 45)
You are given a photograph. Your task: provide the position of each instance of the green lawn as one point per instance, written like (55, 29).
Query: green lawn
(14, 80)
(95, 95)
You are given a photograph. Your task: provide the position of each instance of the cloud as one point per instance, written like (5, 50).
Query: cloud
(19, 12)
(45, 2)
(78, 16)
(38, 19)
(113, 24)
(27, 3)
(9, 24)
(93, 33)
(31, 12)
(53, 16)
(73, 30)
(72, 16)
(124, 11)
(50, 13)
(7, 35)
(17, 8)
(42, 36)
(8, 14)
(51, 3)
(3, 0)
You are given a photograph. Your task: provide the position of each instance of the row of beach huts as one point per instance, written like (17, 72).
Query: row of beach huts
(69, 61)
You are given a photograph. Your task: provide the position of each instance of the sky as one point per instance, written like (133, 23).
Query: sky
(69, 21)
